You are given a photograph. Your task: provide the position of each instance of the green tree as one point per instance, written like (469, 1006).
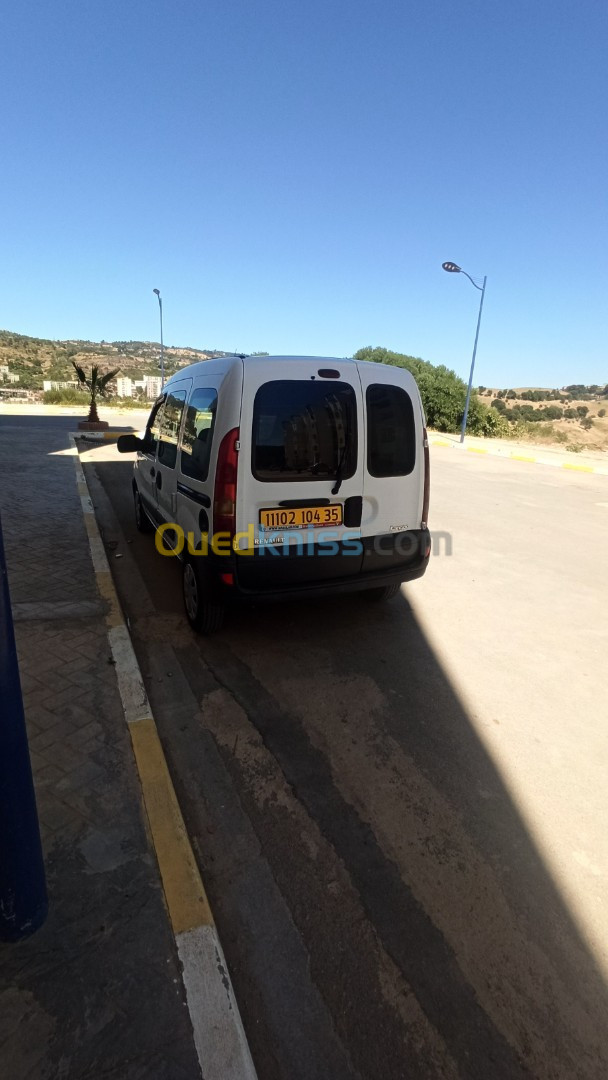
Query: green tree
(96, 385)
(443, 393)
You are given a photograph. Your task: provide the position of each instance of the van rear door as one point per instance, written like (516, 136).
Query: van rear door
(393, 474)
(301, 470)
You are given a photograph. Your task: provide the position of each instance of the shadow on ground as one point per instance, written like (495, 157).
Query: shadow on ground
(458, 895)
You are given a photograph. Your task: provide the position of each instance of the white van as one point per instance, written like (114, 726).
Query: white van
(273, 476)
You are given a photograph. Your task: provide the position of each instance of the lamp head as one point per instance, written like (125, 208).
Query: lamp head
(451, 268)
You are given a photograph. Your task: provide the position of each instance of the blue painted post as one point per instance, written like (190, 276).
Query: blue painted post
(23, 900)
(467, 402)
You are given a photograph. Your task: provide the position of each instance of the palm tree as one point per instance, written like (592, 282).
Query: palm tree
(95, 384)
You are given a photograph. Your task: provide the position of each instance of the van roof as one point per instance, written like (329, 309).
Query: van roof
(224, 363)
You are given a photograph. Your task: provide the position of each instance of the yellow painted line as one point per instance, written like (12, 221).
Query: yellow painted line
(577, 468)
(440, 442)
(522, 457)
(90, 525)
(185, 895)
(186, 899)
(477, 450)
(107, 591)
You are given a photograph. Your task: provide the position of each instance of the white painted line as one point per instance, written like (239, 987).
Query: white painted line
(219, 1036)
(130, 683)
(98, 555)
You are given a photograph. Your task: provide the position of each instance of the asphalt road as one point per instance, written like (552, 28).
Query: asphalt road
(400, 811)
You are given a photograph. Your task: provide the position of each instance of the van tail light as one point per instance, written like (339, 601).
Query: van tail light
(224, 495)
(427, 481)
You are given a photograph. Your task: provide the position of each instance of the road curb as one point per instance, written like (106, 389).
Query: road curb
(99, 436)
(219, 1036)
(512, 455)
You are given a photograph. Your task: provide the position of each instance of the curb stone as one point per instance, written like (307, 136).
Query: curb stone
(512, 455)
(219, 1036)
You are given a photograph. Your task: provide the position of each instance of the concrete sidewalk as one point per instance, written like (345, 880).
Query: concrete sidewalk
(97, 991)
(590, 461)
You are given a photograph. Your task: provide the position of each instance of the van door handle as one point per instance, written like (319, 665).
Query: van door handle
(152, 472)
(159, 480)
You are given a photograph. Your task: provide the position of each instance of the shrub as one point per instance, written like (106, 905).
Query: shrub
(601, 412)
(587, 423)
(499, 405)
(65, 397)
(582, 410)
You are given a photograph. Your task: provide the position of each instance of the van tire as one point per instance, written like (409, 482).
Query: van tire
(387, 592)
(142, 521)
(204, 609)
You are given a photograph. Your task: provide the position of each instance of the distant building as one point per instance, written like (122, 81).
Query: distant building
(13, 378)
(49, 384)
(152, 386)
(3, 370)
(124, 387)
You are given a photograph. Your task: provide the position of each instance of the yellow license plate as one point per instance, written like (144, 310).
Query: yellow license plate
(301, 517)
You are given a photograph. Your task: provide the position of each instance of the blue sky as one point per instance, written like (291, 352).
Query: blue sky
(292, 173)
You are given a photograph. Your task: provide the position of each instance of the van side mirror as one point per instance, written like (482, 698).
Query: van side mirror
(127, 444)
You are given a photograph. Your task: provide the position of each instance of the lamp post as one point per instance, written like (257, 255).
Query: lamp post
(162, 350)
(452, 268)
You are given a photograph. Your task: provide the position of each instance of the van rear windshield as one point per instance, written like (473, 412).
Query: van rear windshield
(391, 431)
(304, 430)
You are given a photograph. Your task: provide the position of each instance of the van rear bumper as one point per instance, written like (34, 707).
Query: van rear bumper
(383, 560)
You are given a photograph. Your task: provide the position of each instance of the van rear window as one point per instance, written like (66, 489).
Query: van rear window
(304, 430)
(391, 431)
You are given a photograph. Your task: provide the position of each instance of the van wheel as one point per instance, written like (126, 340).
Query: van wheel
(204, 610)
(142, 521)
(387, 592)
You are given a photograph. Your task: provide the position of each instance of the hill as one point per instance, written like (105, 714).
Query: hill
(35, 359)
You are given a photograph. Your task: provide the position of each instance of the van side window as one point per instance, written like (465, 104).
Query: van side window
(304, 430)
(198, 433)
(153, 426)
(169, 428)
(391, 431)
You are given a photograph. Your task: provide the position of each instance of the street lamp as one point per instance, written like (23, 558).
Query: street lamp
(452, 268)
(162, 351)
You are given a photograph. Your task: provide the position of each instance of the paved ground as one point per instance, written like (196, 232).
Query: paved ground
(96, 993)
(399, 812)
